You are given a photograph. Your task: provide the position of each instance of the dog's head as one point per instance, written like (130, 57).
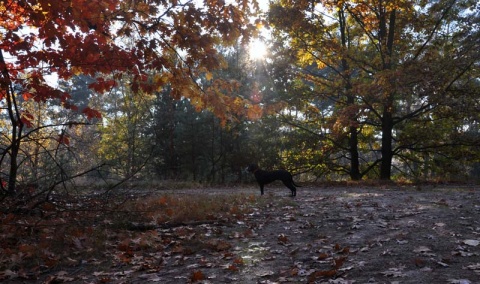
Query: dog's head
(252, 168)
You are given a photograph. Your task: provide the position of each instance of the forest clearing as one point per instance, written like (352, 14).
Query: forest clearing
(327, 234)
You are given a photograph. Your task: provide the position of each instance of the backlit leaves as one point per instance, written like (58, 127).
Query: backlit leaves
(87, 37)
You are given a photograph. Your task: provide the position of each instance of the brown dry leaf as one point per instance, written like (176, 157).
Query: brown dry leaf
(323, 256)
(104, 280)
(419, 262)
(337, 247)
(282, 239)
(219, 245)
(124, 245)
(345, 250)
(314, 276)
(197, 276)
(338, 262)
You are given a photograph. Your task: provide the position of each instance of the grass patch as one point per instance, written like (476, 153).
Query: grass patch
(173, 208)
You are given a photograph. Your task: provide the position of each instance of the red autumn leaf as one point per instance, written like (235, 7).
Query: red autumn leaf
(91, 113)
(163, 201)
(238, 260)
(26, 96)
(101, 85)
(197, 276)
(27, 119)
(63, 139)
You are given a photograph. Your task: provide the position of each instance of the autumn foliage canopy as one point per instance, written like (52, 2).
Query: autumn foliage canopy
(158, 43)
(177, 39)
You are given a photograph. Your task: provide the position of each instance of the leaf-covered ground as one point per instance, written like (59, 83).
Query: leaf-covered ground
(388, 234)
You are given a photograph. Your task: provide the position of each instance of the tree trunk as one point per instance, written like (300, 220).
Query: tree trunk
(387, 153)
(353, 138)
(16, 124)
(354, 162)
(387, 117)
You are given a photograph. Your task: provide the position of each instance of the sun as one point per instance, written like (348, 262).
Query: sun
(257, 49)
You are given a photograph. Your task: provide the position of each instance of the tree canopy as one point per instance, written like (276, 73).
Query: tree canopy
(393, 74)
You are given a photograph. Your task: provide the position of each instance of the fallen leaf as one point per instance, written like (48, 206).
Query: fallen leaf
(319, 274)
(197, 276)
(422, 249)
(394, 272)
(443, 264)
(472, 243)
(322, 256)
(419, 262)
(219, 245)
(473, 266)
(238, 260)
(264, 273)
(459, 281)
(282, 239)
(340, 281)
(151, 277)
(338, 262)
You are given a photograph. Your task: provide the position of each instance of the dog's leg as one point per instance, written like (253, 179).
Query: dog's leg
(291, 187)
(261, 189)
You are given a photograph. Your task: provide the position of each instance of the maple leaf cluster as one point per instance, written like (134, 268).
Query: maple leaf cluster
(177, 40)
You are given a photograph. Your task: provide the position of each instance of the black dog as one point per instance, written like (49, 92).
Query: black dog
(264, 177)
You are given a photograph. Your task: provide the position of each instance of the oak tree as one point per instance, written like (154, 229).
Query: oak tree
(374, 68)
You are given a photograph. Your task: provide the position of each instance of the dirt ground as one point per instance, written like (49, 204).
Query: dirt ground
(388, 234)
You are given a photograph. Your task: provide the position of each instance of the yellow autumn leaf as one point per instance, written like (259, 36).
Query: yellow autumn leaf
(208, 76)
(76, 70)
